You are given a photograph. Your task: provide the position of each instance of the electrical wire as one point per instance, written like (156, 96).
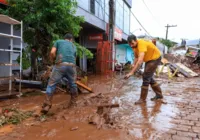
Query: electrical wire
(151, 13)
(149, 10)
(140, 23)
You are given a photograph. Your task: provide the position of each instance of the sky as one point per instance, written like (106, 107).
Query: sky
(183, 13)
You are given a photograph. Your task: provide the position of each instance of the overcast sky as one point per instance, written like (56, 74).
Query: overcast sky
(183, 13)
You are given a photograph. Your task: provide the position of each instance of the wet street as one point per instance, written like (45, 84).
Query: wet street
(176, 117)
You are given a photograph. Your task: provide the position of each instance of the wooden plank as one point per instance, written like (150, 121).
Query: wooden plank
(184, 73)
(83, 86)
(188, 70)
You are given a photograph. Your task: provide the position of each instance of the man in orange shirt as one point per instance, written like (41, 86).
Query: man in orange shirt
(145, 51)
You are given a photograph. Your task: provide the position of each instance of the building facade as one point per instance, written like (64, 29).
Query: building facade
(96, 14)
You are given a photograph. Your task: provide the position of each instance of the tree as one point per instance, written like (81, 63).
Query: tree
(46, 21)
(167, 43)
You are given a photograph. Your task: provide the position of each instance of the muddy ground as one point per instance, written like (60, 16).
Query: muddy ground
(176, 117)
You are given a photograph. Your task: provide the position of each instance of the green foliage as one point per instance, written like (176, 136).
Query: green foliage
(83, 51)
(25, 58)
(168, 43)
(46, 21)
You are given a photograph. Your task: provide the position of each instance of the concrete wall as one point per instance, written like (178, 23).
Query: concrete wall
(5, 44)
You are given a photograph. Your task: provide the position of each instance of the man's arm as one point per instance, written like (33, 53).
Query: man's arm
(134, 62)
(138, 63)
(53, 54)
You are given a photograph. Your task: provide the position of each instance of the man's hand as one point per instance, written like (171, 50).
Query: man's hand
(128, 75)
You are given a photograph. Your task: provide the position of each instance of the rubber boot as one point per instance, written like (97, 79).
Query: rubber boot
(156, 88)
(143, 95)
(72, 102)
(47, 104)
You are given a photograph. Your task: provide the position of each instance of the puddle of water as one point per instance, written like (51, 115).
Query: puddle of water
(144, 121)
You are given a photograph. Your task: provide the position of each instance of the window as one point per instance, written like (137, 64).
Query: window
(119, 13)
(101, 9)
(107, 11)
(84, 4)
(92, 6)
(126, 19)
(97, 8)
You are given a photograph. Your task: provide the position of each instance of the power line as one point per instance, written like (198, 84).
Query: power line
(140, 24)
(103, 8)
(149, 10)
(151, 13)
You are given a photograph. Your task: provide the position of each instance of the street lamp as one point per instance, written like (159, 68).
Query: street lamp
(136, 30)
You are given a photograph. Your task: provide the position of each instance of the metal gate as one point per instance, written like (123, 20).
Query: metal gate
(104, 56)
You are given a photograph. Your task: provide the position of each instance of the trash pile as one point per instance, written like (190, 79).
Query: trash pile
(13, 116)
(181, 62)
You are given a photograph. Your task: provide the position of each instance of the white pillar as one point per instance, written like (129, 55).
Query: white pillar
(11, 53)
(21, 46)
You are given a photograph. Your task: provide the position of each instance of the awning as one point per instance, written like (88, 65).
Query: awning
(8, 20)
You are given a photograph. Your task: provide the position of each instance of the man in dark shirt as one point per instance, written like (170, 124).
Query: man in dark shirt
(64, 54)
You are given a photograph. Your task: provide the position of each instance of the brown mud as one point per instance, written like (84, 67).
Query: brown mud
(84, 122)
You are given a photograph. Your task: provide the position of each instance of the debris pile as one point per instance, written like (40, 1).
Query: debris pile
(13, 116)
(185, 60)
(103, 118)
(181, 62)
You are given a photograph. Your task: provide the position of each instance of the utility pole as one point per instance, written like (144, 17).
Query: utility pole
(168, 26)
(111, 29)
